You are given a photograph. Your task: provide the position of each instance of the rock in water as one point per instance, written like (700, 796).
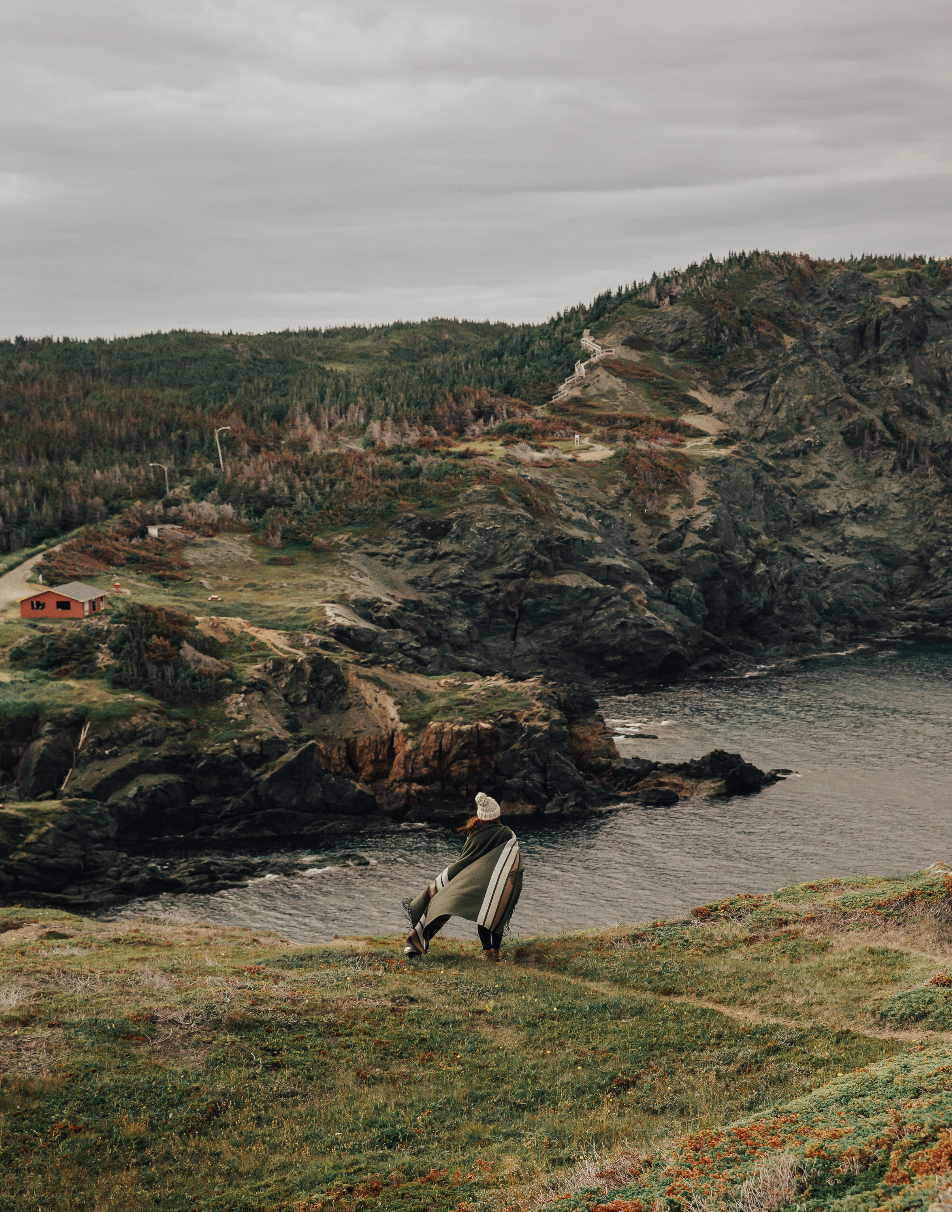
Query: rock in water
(657, 795)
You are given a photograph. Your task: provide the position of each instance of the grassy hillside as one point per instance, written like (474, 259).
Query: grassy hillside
(795, 1043)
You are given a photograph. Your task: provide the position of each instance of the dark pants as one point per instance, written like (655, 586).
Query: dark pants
(486, 937)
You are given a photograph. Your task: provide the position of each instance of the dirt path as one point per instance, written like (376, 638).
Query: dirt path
(746, 1015)
(14, 585)
(593, 452)
(223, 627)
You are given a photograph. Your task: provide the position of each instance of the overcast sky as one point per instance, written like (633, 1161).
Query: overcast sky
(261, 164)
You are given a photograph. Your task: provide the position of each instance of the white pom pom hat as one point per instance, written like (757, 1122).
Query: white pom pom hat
(486, 807)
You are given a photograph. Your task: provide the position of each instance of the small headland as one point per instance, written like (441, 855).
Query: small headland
(148, 750)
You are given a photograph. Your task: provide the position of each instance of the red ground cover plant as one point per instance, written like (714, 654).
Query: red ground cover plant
(653, 474)
(869, 1141)
(101, 548)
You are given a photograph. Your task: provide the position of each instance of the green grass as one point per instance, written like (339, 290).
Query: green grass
(930, 1008)
(264, 595)
(13, 629)
(787, 955)
(170, 1066)
(461, 704)
(34, 694)
(767, 1040)
(197, 1068)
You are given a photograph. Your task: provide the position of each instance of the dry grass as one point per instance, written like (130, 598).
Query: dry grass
(11, 996)
(242, 1072)
(249, 1073)
(776, 1182)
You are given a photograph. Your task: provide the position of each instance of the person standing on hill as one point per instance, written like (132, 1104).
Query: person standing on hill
(482, 886)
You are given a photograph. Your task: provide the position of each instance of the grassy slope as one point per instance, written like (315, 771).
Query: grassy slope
(172, 1066)
(269, 597)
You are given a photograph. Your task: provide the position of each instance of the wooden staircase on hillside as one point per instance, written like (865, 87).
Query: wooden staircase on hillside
(597, 353)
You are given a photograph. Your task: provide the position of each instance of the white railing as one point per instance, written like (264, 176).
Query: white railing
(588, 343)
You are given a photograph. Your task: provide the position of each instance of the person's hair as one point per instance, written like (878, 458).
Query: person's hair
(474, 824)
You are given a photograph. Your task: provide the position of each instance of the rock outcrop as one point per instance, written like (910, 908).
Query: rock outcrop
(71, 859)
(717, 773)
(139, 791)
(48, 758)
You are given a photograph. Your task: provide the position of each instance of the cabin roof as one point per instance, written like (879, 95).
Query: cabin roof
(75, 590)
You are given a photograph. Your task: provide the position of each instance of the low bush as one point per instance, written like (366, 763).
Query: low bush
(930, 1008)
(652, 475)
(139, 649)
(69, 652)
(146, 646)
(116, 545)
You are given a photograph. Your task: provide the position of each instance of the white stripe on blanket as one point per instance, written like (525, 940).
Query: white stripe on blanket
(438, 885)
(497, 883)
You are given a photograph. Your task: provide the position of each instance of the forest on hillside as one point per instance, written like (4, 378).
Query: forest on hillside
(327, 424)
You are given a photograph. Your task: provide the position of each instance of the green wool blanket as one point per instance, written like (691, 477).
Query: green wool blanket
(482, 886)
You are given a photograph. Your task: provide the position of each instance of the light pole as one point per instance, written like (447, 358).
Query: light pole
(220, 429)
(166, 470)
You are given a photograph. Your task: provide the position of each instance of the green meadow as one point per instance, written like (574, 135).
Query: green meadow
(158, 1064)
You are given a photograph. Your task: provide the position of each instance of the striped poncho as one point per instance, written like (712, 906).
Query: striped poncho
(482, 886)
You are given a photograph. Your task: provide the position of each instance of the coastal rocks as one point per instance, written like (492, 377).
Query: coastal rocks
(525, 760)
(288, 798)
(717, 773)
(77, 842)
(48, 759)
(36, 755)
(261, 701)
(66, 871)
(147, 783)
(15, 735)
(529, 601)
(825, 522)
(657, 796)
(152, 806)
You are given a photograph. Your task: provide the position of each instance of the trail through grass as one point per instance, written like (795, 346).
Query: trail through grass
(168, 1065)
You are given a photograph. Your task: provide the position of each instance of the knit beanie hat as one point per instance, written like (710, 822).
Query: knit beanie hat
(486, 807)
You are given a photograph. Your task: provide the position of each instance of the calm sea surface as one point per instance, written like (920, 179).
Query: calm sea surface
(869, 735)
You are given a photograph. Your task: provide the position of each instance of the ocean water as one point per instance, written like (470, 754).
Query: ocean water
(868, 734)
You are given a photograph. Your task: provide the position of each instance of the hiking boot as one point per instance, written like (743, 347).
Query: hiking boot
(496, 956)
(490, 956)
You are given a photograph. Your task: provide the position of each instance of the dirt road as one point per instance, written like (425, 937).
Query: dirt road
(13, 584)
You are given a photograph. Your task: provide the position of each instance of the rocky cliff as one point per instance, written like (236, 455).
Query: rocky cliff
(319, 751)
(816, 511)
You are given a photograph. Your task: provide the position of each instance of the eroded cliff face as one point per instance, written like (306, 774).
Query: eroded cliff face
(817, 513)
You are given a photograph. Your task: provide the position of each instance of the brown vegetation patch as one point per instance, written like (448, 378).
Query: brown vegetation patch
(101, 548)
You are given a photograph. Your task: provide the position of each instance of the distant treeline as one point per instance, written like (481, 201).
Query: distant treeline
(81, 420)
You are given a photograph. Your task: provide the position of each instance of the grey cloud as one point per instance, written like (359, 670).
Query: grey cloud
(252, 164)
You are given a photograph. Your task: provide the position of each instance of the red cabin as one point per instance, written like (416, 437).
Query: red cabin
(72, 601)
